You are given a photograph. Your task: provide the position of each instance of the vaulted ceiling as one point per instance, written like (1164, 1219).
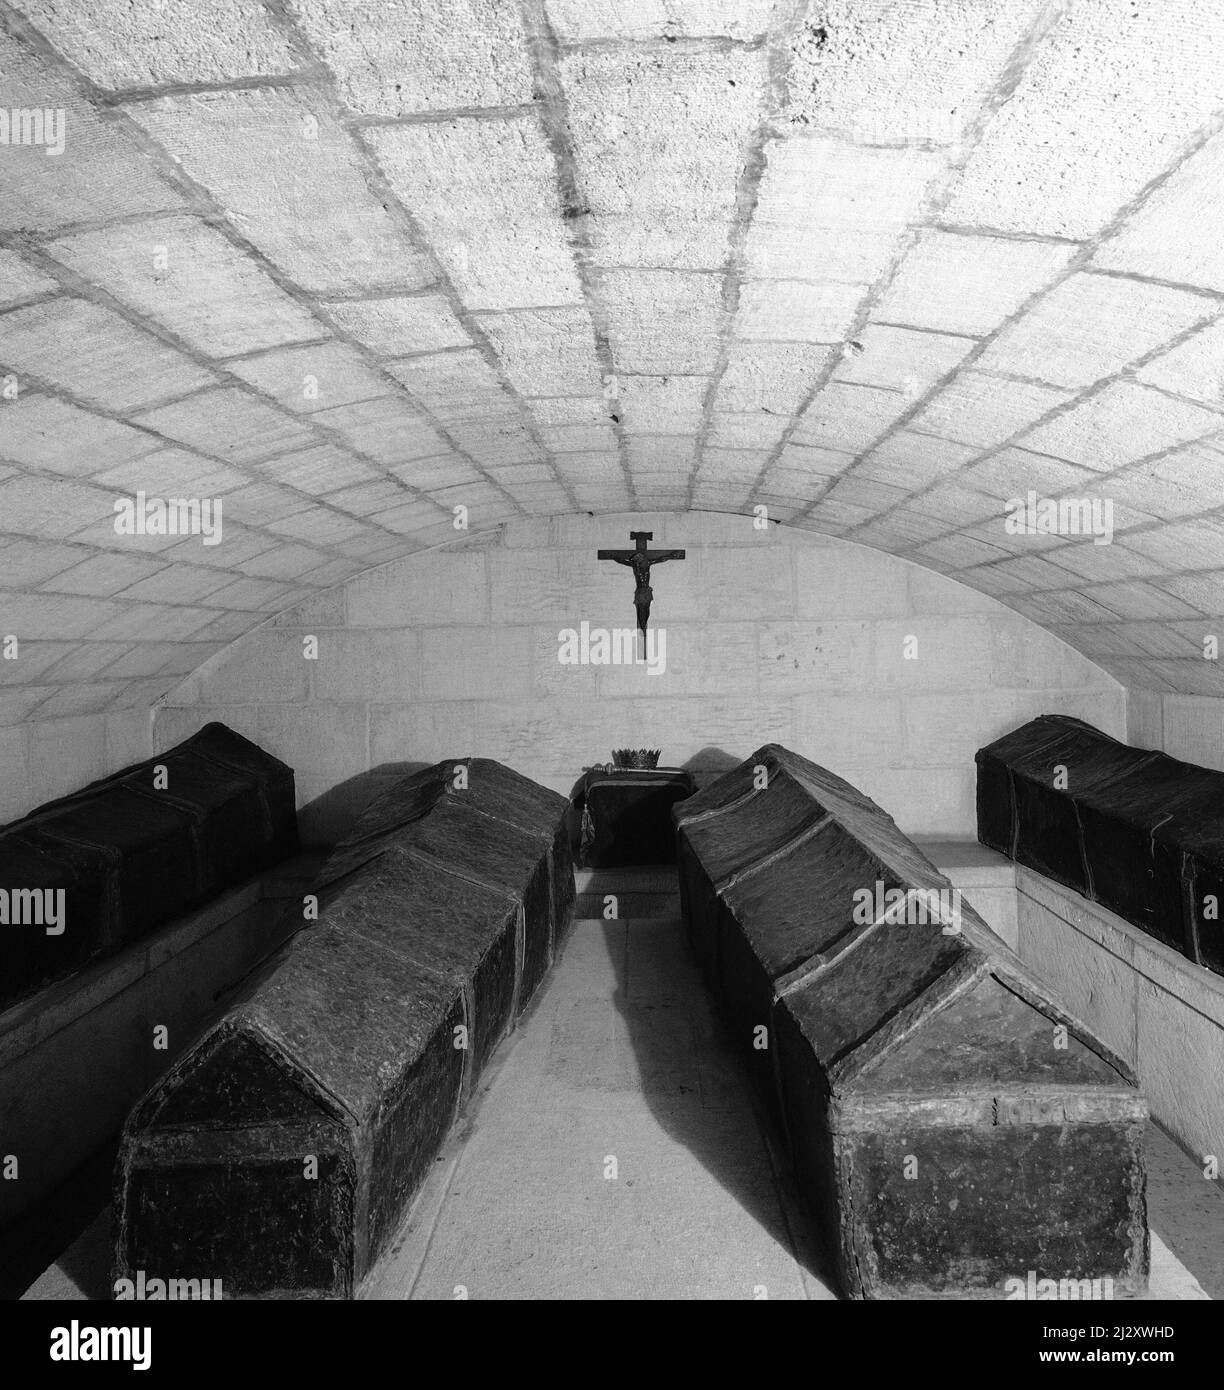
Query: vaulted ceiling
(879, 266)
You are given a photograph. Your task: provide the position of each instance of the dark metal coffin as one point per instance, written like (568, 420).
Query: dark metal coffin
(626, 815)
(1137, 831)
(283, 1151)
(952, 1128)
(136, 849)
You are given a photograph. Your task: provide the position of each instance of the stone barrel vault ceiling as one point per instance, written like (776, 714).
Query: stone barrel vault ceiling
(877, 265)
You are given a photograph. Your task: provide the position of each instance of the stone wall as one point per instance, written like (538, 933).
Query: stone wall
(772, 634)
(42, 760)
(1190, 727)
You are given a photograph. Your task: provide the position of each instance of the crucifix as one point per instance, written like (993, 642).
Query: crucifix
(639, 561)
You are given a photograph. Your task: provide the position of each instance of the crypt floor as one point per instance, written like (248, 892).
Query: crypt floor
(614, 1150)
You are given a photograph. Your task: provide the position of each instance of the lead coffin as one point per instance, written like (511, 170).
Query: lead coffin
(282, 1152)
(952, 1128)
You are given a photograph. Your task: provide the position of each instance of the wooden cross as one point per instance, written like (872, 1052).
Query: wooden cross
(639, 561)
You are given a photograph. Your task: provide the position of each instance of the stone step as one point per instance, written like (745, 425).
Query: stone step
(646, 878)
(969, 864)
(591, 905)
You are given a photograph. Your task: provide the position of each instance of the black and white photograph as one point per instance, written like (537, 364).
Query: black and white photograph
(610, 677)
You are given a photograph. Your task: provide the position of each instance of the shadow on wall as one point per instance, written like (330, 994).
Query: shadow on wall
(327, 819)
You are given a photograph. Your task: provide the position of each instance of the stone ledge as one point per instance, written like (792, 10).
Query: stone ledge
(1163, 1013)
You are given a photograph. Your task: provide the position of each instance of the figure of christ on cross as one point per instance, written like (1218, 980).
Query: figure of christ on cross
(639, 561)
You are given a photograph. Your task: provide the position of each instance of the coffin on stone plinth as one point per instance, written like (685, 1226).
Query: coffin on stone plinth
(952, 1128)
(1135, 830)
(282, 1152)
(137, 849)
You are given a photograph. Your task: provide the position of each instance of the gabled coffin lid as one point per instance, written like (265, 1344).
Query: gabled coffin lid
(437, 919)
(496, 790)
(353, 1015)
(888, 979)
(989, 1037)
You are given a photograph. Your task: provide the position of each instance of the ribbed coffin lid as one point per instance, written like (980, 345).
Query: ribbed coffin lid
(803, 902)
(429, 912)
(500, 791)
(195, 780)
(1092, 758)
(476, 845)
(214, 744)
(1031, 738)
(761, 824)
(1181, 804)
(392, 815)
(854, 991)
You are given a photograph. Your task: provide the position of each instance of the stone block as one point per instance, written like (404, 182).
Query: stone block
(901, 359)
(962, 283)
(830, 208)
(661, 192)
(849, 583)
(19, 280)
(485, 664)
(657, 405)
(773, 377)
(849, 731)
(355, 666)
(188, 277)
(848, 417)
(45, 433)
(229, 424)
(96, 356)
(396, 325)
(980, 410)
(316, 377)
(1091, 326)
(800, 657)
(845, 75)
(1023, 177)
(131, 45)
(1123, 423)
(798, 311)
(388, 430)
(98, 172)
(432, 56)
(582, 21)
(663, 322)
(485, 194)
(546, 352)
(291, 176)
(944, 653)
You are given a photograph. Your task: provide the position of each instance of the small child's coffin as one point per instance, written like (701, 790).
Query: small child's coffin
(952, 1128)
(282, 1152)
(130, 853)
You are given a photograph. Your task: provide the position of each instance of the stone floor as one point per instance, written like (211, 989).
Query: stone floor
(614, 1150)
